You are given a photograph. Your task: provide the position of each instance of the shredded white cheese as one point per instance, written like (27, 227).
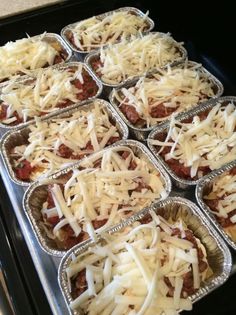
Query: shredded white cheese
(46, 138)
(142, 279)
(90, 193)
(208, 142)
(171, 90)
(94, 32)
(42, 93)
(25, 54)
(223, 196)
(132, 58)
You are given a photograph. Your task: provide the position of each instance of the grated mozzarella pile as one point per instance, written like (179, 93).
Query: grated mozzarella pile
(175, 88)
(95, 32)
(41, 94)
(106, 191)
(75, 132)
(128, 274)
(132, 58)
(210, 142)
(223, 191)
(25, 54)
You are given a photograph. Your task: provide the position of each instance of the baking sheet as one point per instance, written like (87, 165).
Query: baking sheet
(45, 264)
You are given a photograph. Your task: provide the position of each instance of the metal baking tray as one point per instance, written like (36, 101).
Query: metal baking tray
(37, 192)
(56, 41)
(142, 133)
(82, 53)
(179, 182)
(47, 265)
(28, 78)
(219, 256)
(202, 187)
(94, 55)
(19, 136)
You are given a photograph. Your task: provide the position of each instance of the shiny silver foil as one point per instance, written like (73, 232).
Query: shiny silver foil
(218, 254)
(37, 192)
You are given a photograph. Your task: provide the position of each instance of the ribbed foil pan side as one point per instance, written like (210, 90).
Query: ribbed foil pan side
(20, 136)
(70, 27)
(142, 133)
(107, 87)
(179, 182)
(55, 38)
(56, 41)
(204, 186)
(27, 78)
(218, 254)
(36, 194)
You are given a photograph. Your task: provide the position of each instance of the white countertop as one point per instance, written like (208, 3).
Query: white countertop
(11, 7)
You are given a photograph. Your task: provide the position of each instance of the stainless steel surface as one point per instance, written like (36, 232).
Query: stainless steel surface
(142, 133)
(93, 55)
(36, 193)
(28, 78)
(219, 256)
(183, 183)
(20, 135)
(82, 53)
(203, 186)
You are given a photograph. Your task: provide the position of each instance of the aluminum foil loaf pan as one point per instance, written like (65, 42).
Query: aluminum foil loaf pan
(163, 129)
(203, 188)
(56, 42)
(95, 56)
(20, 136)
(218, 254)
(141, 133)
(67, 31)
(27, 79)
(37, 194)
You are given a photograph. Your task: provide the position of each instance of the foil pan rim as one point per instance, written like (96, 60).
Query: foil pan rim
(133, 81)
(102, 15)
(199, 196)
(202, 292)
(181, 48)
(133, 143)
(207, 105)
(67, 111)
(62, 66)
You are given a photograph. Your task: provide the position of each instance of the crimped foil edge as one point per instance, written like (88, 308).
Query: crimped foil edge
(121, 126)
(216, 281)
(183, 183)
(48, 37)
(69, 27)
(95, 54)
(60, 66)
(201, 185)
(142, 133)
(135, 145)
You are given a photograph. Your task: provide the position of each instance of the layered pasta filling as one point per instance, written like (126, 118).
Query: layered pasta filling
(49, 90)
(96, 32)
(127, 59)
(28, 54)
(155, 98)
(108, 187)
(221, 199)
(203, 143)
(150, 269)
(53, 144)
